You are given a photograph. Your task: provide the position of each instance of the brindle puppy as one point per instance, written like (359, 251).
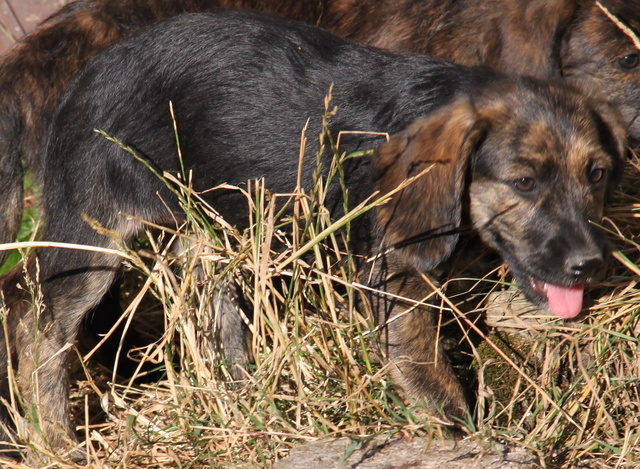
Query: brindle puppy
(534, 160)
(571, 39)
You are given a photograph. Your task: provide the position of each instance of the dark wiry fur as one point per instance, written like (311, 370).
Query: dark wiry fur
(546, 38)
(243, 86)
(36, 72)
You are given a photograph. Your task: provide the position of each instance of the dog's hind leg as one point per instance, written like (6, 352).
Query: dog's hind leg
(72, 282)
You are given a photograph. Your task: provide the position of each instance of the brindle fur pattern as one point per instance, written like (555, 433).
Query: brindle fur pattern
(570, 39)
(472, 133)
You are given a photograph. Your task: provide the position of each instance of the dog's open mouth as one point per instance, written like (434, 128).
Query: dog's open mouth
(564, 302)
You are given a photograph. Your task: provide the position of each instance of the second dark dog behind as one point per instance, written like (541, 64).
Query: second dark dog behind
(529, 164)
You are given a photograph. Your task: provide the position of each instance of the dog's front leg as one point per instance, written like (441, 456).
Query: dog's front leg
(410, 334)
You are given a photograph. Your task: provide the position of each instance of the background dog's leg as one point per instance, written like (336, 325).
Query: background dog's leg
(12, 287)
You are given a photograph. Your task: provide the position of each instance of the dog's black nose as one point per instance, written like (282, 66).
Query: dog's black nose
(581, 266)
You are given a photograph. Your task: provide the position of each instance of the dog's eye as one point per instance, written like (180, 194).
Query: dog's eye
(525, 184)
(596, 175)
(629, 62)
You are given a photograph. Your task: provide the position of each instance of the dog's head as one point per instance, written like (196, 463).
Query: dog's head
(600, 54)
(536, 161)
(575, 39)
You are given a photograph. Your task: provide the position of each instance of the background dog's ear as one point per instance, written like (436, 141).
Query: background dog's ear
(612, 134)
(530, 37)
(421, 220)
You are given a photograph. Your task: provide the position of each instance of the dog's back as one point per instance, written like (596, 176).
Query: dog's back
(261, 96)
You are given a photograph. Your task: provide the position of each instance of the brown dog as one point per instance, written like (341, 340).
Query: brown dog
(529, 163)
(572, 39)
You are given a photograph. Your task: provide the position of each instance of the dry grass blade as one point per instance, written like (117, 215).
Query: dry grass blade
(623, 27)
(50, 244)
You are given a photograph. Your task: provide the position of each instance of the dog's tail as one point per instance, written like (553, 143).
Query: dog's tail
(37, 71)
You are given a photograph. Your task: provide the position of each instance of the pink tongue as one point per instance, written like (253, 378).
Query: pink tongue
(564, 302)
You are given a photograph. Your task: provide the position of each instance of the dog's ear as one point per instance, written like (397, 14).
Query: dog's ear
(612, 135)
(421, 220)
(530, 37)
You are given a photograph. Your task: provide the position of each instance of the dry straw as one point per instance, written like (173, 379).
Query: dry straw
(625, 29)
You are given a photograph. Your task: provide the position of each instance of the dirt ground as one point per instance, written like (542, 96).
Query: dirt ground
(418, 453)
(18, 17)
